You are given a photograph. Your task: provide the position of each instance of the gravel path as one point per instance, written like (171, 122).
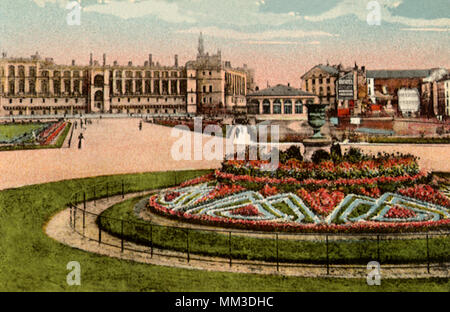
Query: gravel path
(59, 229)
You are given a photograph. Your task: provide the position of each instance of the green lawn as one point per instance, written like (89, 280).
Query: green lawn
(10, 131)
(31, 261)
(57, 144)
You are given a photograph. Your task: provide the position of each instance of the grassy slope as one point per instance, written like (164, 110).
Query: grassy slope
(31, 261)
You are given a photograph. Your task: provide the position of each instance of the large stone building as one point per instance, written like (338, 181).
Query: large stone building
(326, 81)
(37, 86)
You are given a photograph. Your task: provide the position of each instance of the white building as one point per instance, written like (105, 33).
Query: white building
(408, 101)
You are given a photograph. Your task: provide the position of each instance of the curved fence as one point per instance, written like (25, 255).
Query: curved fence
(427, 250)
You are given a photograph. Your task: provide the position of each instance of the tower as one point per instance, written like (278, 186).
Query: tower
(201, 46)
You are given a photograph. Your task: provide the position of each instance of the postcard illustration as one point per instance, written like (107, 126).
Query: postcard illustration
(224, 146)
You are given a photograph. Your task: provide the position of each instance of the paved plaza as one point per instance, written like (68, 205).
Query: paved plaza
(116, 146)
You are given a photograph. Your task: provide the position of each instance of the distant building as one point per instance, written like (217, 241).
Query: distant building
(36, 86)
(384, 85)
(336, 85)
(321, 80)
(408, 102)
(433, 93)
(280, 100)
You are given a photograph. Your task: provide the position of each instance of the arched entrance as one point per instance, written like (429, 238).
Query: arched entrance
(98, 101)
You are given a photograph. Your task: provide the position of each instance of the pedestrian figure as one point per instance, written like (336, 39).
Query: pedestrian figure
(75, 124)
(80, 137)
(140, 125)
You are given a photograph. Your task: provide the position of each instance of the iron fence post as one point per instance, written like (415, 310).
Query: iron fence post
(187, 245)
(123, 191)
(428, 257)
(378, 248)
(229, 248)
(328, 260)
(278, 263)
(121, 235)
(107, 191)
(84, 220)
(84, 200)
(99, 229)
(151, 240)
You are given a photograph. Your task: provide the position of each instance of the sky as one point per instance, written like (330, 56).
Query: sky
(280, 39)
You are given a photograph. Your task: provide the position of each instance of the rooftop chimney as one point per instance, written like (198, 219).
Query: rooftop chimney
(104, 59)
(176, 60)
(150, 59)
(115, 63)
(130, 63)
(146, 63)
(91, 60)
(73, 62)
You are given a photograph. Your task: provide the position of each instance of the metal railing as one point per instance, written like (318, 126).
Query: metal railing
(278, 249)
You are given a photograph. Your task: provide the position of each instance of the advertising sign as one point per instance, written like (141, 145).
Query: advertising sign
(345, 87)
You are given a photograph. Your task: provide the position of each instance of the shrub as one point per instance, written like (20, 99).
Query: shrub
(354, 155)
(319, 156)
(336, 152)
(292, 152)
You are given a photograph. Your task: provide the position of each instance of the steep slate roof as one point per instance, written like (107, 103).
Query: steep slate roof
(280, 90)
(388, 74)
(329, 69)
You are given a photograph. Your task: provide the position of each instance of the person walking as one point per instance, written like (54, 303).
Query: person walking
(80, 138)
(140, 125)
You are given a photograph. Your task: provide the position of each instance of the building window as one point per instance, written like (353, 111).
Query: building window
(210, 89)
(288, 107)
(277, 106)
(266, 107)
(298, 107)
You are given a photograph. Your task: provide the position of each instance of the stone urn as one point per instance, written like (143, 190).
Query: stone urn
(316, 118)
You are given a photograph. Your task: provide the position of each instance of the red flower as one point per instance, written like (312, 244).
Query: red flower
(268, 190)
(321, 201)
(426, 193)
(398, 212)
(248, 211)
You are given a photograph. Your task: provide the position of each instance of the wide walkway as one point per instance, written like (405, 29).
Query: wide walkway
(111, 146)
(116, 146)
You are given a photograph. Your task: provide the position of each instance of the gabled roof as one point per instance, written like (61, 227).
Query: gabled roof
(326, 68)
(393, 74)
(281, 90)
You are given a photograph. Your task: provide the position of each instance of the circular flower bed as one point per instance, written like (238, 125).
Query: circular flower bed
(377, 195)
